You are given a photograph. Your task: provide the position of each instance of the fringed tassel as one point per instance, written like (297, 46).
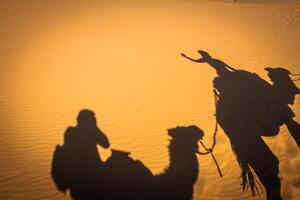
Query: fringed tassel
(249, 178)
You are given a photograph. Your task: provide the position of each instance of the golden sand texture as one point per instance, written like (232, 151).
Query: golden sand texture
(123, 61)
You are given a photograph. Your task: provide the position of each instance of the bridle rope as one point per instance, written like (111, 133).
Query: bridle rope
(210, 150)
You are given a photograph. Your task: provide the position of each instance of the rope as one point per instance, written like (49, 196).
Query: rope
(210, 150)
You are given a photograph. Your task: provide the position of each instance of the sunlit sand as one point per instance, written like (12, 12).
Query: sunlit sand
(122, 60)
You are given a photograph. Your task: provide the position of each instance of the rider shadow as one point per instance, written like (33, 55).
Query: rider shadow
(247, 108)
(78, 168)
(75, 163)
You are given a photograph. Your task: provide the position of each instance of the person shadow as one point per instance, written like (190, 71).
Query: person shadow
(248, 108)
(77, 166)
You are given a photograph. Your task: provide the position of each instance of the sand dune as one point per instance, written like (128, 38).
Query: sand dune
(123, 61)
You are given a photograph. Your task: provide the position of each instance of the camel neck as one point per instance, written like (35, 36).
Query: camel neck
(180, 157)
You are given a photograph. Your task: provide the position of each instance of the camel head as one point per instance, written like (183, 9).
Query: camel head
(186, 138)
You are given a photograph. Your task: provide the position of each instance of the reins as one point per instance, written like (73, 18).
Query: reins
(210, 150)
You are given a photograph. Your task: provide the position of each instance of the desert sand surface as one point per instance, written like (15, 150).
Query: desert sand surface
(122, 60)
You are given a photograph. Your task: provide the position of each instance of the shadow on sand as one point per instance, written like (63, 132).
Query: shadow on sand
(247, 108)
(77, 166)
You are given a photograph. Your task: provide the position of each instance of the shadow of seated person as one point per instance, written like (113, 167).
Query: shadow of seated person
(77, 165)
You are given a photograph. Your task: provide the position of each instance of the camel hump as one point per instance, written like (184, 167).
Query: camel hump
(129, 165)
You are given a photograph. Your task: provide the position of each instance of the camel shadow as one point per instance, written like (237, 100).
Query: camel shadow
(249, 107)
(78, 168)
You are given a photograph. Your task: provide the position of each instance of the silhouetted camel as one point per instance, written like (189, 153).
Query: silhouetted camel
(122, 177)
(248, 107)
(130, 179)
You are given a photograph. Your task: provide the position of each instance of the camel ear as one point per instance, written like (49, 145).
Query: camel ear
(175, 132)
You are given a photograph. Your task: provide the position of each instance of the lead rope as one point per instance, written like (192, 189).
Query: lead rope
(210, 150)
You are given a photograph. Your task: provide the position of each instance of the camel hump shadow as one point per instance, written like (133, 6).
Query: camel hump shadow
(121, 176)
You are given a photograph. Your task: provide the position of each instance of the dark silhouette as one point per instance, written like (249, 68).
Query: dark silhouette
(76, 163)
(76, 166)
(248, 107)
(125, 178)
(178, 179)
